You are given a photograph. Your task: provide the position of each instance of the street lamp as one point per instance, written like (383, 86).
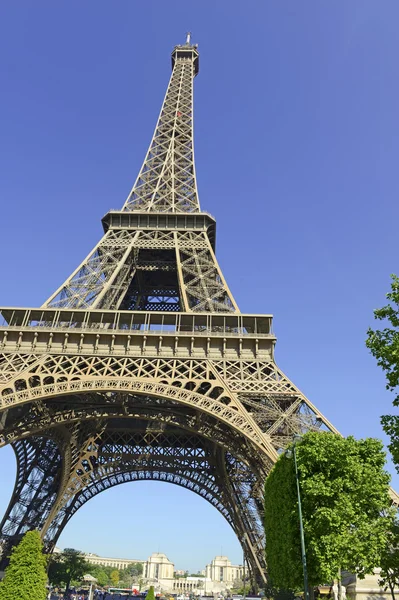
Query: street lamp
(243, 574)
(303, 550)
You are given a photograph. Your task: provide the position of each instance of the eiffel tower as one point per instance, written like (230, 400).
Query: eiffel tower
(141, 365)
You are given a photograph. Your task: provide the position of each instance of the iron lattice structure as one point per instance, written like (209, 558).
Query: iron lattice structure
(141, 366)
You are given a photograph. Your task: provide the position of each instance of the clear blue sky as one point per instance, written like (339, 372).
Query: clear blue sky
(297, 145)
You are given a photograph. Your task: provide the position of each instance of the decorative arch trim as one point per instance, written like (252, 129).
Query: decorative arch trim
(231, 415)
(121, 477)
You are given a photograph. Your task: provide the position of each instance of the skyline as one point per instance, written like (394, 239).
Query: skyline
(136, 559)
(312, 145)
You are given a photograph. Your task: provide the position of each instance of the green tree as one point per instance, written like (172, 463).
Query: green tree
(345, 505)
(114, 576)
(389, 576)
(99, 573)
(275, 594)
(102, 577)
(384, 346)
(135, 569)
(67, 566)
(150, 594)
(125, 578)
(25, 577)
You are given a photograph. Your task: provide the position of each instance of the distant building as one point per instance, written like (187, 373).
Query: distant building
(192, 585)
(220, 576)
(364, 589)
(117, 563)
(158, 566)
(158, 570)
(221, 570)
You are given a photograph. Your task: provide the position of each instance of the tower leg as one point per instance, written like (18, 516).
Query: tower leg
(239, 483)
(37, 481)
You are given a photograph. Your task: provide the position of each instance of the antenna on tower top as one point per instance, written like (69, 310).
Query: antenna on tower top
(188, 39)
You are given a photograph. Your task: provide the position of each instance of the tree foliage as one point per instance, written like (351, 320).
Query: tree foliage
(384, 346)
(150, 595)
(25, 577)
(127, 577)
(115, 576)
(61, 565)
(70, 565)
(345, 505)
(135, 569)
(276, 594)
(100, 574)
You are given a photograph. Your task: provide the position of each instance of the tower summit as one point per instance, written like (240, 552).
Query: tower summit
(141, 365)
(187, 50)
(166, 181)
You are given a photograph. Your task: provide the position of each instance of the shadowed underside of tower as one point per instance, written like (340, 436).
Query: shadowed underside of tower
(141, 366)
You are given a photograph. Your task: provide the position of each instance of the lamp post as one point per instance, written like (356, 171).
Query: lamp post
(302, 536)
(243, 574)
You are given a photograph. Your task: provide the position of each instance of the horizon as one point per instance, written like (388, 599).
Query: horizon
(133, 560)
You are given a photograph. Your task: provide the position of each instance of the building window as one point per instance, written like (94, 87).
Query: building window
(156, 571)
(221, 574)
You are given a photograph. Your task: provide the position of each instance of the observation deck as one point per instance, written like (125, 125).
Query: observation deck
(167, 221)
(186, 51)
(137, 333)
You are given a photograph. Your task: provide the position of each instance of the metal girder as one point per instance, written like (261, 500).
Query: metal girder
(38, 416)
(127, 267)
(148, 452)
(166, 182)
(38, 475)
(102, 453)
(141, 366)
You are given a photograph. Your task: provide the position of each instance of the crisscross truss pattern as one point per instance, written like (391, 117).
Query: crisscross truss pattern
(141, 366)
(241, 414)
(99, 275)
(38, 461)
(214, 387)
(148, 270)
(157, 263)
(113, 438)
(166, 182)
